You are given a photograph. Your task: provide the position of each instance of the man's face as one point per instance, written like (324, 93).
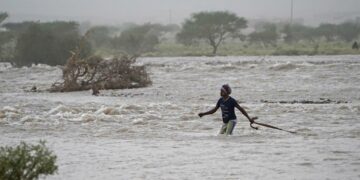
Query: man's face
(222, 93)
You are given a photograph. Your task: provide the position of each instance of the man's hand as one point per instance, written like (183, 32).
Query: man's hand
(201, 114)
(252, 120)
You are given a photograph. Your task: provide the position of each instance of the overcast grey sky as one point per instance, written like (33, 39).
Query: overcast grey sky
(174, 11)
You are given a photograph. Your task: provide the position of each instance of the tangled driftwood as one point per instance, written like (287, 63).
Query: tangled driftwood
(97, 73)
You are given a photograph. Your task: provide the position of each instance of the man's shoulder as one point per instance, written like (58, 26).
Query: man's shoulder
(233, 99)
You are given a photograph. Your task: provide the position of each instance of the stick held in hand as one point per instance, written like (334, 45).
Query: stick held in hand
(270, 126)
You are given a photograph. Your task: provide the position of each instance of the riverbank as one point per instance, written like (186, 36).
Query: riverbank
(242, 49)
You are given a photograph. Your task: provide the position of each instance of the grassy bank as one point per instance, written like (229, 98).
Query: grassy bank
(239, 49)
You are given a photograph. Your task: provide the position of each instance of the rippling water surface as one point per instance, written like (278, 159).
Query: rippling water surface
(155, 133)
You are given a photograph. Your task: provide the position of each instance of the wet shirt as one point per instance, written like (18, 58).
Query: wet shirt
(227, 108)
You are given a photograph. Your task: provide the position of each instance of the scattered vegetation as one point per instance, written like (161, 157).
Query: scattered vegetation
(26, 162)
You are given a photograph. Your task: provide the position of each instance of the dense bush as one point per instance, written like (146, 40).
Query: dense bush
(348, 31)
(26, 162)
(48, 43)
(5, 39)
(101, 36)
(138, 40)
(267, 35)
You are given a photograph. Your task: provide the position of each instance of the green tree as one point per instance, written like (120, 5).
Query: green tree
(213, 27)
(48, 43)
(327, 30)
(5, 36)
(34, 46)
(26, 162)
(348, 31)
(137, 40)
(296, 32)
(100, 36)
(18, 28)
(3, 16)
(266, 34)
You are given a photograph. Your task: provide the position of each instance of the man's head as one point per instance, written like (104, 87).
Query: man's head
(225, 90)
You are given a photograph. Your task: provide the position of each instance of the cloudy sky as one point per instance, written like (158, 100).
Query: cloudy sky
(175, 11)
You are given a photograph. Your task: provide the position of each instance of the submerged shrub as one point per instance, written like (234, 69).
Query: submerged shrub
(26, 162)
(95, 73)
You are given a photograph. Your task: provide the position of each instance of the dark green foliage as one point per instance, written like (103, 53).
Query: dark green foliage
(138, 40)
(3, 16)
(213, 27)
(6, 44)
(48, 43)
(5, 37)
(348, 31)
(100, 36)
(134, 39)
(26, 162)
(267, 34)
(34, 46)
(296, 32)
(18, 28)
(329, 31)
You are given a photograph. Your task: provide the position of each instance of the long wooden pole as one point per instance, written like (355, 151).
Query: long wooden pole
(270, 126)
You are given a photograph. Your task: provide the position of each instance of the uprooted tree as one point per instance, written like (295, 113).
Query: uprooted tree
(95, 72)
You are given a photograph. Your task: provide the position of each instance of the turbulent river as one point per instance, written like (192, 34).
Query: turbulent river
(155, 133)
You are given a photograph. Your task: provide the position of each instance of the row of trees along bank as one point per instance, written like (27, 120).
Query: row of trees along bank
(50, 43)
(57, 43)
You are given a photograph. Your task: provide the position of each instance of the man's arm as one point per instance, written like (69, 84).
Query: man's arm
(242, 110)
(212, 111)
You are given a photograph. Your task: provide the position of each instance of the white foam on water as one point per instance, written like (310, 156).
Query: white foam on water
(107, 111)
(10, 109)
(138, 121)
(62, 109)
(285, 66)
(5, 66)
(87, 117)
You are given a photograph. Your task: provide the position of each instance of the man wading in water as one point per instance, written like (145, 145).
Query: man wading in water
(227, 105)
